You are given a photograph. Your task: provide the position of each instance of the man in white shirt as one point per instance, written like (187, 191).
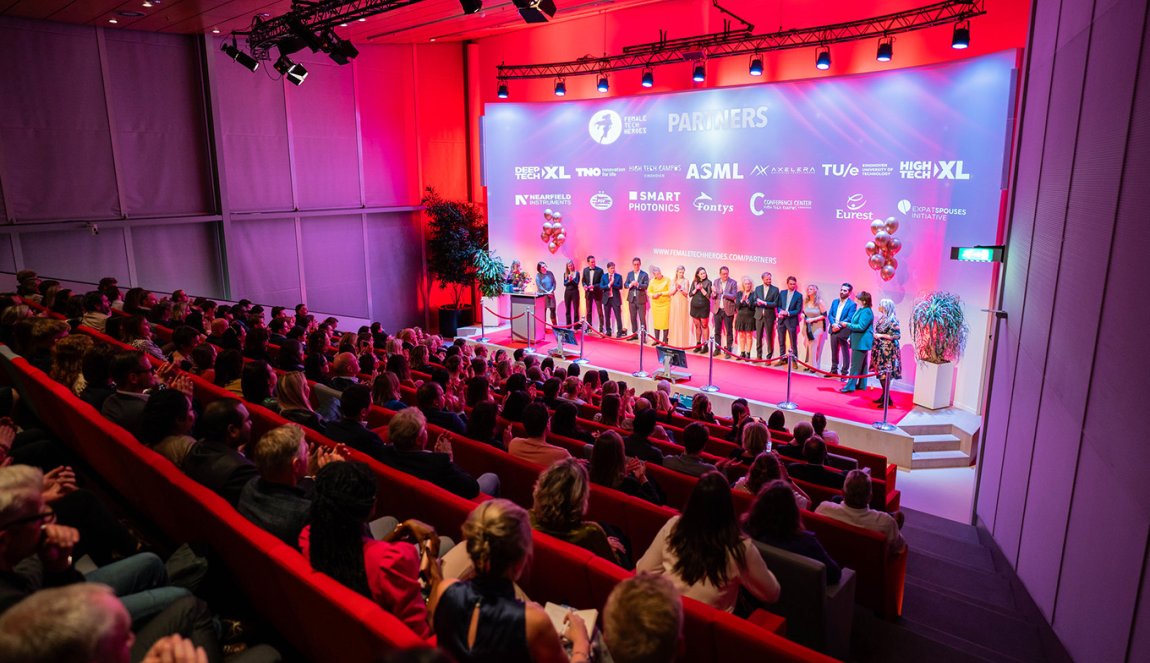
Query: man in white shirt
(855, 510)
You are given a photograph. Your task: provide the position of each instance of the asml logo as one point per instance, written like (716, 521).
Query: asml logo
(937, 170)
(541, 173)
(605, 126)
(705, 203)
(714, 171)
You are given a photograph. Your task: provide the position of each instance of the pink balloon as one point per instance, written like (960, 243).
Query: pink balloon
(876, 226)
(895, 245)
(881, 238)
(875, 262)
(887, 273)
(891, 225)
(552, 247)
(892, 261)
(543, 236)
(871, 248)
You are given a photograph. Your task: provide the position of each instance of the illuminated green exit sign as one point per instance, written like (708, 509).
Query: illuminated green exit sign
(977, 253)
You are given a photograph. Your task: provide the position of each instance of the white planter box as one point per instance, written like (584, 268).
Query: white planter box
(934, 385)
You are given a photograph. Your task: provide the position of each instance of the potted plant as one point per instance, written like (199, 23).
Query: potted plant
(456, 232)
(938, 327)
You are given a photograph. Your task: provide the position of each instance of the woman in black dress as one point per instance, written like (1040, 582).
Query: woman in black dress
(571, 292)
(745, 317)
(700, 293)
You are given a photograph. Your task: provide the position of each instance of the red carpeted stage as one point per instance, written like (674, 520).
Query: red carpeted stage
(735, 378)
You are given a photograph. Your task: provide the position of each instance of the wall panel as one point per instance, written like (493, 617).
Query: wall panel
(179, 256)
(76, 254)
(265, 261)
(322, 113)
(334, 267)
(396, 295)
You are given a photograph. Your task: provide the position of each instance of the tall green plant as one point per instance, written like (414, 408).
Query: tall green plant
(457, 230)
(938, 326)
(489, 272)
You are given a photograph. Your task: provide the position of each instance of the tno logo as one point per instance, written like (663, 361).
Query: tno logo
(605, 127)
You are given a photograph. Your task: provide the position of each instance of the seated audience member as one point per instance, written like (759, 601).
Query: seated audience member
(611, 468)
(135, 377)
(385, 391)
(184, 340)
(483, 424)
(564, 422)
(768, 467)
(86, 623)
(610, 413)
(705, 554)
(754, 440)
(167, 412)
(774, 519)
(44, 333)
(559, 507)
(482, 619)
(701, 409)
(803, 432)
(96, 311)
(258, 384)
(175, 448)
(256, 344)
(695, 437)
(277, 330)
(813, 470)
(571, 390)
(215, 461)
(351, 428)
(294, 395)
(229, 372)
(290, 356)
(777, 421)
(431, 401)
(533, 446)
(219, 327)
(344, 369)
(96, 370)
(740, 416)
(819, 422)
(855, 510)
(385, 571)
(407, 433)
(68, 361)
(638, 443)
(514, 404)
(642, 621)
(204, 361)
(477, 390)
(137, 332)
(279, 499)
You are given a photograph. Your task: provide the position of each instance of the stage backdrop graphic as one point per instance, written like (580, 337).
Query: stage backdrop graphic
(780, 177)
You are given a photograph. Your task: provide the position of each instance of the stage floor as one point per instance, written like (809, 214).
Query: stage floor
(734, 378)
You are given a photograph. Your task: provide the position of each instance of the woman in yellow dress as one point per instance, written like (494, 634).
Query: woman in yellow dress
(660, 293)
(680, 309)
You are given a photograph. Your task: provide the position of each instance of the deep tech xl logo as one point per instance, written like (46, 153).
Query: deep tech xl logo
(541, 173)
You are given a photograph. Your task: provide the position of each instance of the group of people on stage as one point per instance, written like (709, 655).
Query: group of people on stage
(687, 310)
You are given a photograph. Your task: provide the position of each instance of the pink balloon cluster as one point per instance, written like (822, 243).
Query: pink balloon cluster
(554, 234)
(882, 249)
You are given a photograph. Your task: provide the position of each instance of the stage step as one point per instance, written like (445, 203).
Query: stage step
(943, 442)
(931, 459)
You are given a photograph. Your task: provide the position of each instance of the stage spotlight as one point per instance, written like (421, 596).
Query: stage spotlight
(503, 90)
(699, 74)
(245, 60)
(648, 78)
(341, 51)
(961, 37)
(885, 50)
(471, 6)
(303, 34)
(560, 88)
(536, 11)
(823, 58)
(756, 66)
(293, 71)
(602, 85)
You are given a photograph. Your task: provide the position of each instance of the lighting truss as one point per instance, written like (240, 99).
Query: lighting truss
(742, 42)
(316, 16)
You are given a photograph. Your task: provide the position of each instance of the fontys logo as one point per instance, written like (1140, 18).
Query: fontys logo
(904, 205)
(602, 201)
(605, 126)
(705, 203)
(856, 202)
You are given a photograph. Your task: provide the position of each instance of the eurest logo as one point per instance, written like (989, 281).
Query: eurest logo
(937, 170)
(854, 209)
(714, 171)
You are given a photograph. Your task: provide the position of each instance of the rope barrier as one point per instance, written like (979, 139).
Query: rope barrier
(612, 338)
(551, 324)
(675, 347)
(503, 317)
(835, 375)
(775, 360)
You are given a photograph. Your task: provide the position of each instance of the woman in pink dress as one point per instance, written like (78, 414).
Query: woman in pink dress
(680, 309)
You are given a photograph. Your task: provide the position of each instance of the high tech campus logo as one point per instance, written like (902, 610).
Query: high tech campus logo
(605, 127)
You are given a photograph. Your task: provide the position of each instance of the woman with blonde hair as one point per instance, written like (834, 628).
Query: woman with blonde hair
(559, 507)
(814, 327)
(745, 318)
(481, 619)
(884, 357)
(294, 396)
(680, 309)
(659, 291)
(67, 360)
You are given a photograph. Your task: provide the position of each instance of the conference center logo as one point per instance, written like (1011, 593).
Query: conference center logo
(601, 201)
(714, 171)
(854, 208)
(932, 170)
(653, 201)
(768, 170)
(541, 173)
(705, 203)
(542, 199)
(761, 204)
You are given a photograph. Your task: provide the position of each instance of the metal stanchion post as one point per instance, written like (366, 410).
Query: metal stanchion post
(530, 333)
(482, 329)
(883, 425)
(642, 346)
(710, 386)
(789, 404)
(582, 337)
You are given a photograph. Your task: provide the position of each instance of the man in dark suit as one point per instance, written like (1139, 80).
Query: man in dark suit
(134, 375)
(840, 314)
(407, 432)
(790, 306)
(636, 285)
(723, 293)
(215, 460)
(813, 470)
(430, 399)
(766, 298)
(612, 285)
(354, 405)
(592, 287)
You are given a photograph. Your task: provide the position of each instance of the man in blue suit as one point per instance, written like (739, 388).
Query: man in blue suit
(842, 310)
(862, 338)
(636, 285)
(790, 306)
(766, 299)
(612, 285)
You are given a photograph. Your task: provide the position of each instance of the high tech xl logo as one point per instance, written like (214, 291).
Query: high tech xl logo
(705, 203)
(928, 170)
(605, 127)
(714, 171)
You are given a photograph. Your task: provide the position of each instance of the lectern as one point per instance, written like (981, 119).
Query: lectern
(528, 328)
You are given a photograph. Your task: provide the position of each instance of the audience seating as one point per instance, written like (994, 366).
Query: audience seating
(818, 615)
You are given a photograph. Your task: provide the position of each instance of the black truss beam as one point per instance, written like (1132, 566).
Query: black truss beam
(316, 16)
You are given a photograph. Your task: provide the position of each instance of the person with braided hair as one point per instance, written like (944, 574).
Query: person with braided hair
(481, 620)
(336, 542)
